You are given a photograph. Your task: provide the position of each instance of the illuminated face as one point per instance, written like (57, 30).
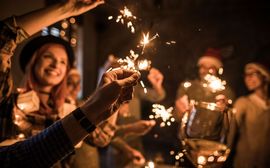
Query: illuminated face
(205, 69)
(253, 79)
(51, 66)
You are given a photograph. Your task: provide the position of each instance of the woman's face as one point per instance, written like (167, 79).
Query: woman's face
(51, 66)
(253, 79)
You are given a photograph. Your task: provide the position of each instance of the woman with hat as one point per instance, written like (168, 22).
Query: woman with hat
(46, 61)
(16, 29)
(252, 113)
(209, 63)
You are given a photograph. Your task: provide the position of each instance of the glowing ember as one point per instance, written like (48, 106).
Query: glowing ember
(214, 83)
(161, 112)
(170, 42)
(145, 41)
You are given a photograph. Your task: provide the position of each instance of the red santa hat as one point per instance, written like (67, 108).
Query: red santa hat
(212, 56)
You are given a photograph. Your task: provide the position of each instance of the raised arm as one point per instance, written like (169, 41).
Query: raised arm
(57, 141)
(34, 21)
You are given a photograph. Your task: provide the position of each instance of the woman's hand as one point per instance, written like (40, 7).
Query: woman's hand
(77, 7)
(115, 88)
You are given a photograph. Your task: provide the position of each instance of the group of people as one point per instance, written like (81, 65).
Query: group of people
(42, 122)
(249, 115)
(43, 125)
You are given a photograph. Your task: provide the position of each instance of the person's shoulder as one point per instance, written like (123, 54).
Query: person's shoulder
(241, 103)
(242, 99)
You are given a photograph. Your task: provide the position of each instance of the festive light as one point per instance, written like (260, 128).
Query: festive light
(144, 64)
(145, 40)
(150, 164)
(214, 83)
(161, 112)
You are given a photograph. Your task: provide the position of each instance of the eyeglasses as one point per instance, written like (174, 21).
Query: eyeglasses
(252, 74)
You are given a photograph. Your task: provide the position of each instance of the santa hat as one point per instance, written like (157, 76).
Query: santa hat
(260, 68)
(212, 56)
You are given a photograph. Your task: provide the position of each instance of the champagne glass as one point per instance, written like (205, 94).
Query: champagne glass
(203, 132)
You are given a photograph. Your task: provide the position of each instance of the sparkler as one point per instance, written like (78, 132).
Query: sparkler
(127, 17)
(145, 41)
(161, 112)
(144, 64)
(129, 63)
(214, 83)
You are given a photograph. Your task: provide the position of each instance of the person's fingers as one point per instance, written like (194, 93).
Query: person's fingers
(126, 94)
(129, 80)
(152, 123)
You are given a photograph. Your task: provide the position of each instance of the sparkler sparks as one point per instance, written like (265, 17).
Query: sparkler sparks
(161, 112)
(129, 63)
(214, 83)
(144, 64)
(145, 41)
(125, 16)
(171, 42)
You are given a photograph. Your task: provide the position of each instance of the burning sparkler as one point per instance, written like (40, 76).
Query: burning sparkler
(125, 16)
(129, 63)
(161, 112)
(145, 41)
(214, 83)
(144, 64)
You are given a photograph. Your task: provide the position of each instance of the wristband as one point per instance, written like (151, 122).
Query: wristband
(83, 121)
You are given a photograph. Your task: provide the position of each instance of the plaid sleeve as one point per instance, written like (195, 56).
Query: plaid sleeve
(42, 150)
(10, 35)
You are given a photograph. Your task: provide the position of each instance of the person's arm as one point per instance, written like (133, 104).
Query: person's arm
(57, 141)
(34, 21)
(134, 155)
(138, 128)
(16, 29)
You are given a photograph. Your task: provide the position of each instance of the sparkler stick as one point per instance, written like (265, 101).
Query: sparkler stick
(161, 112)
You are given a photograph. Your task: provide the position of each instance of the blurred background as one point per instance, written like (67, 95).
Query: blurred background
(240, 27)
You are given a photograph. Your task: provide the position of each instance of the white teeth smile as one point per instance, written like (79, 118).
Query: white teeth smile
(53, 72)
